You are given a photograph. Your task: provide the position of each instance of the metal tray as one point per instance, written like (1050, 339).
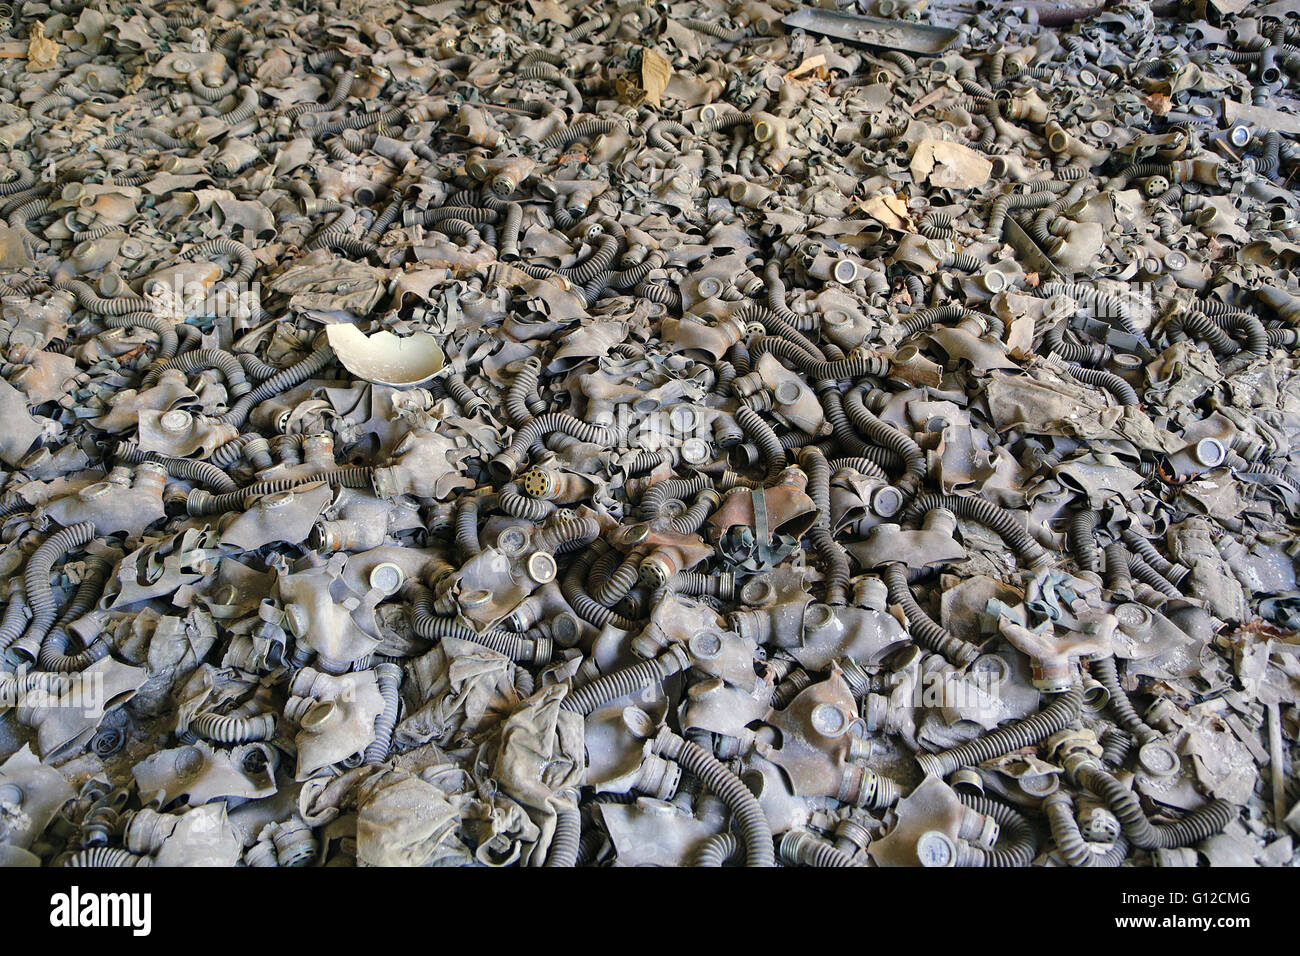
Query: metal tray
(916, 38)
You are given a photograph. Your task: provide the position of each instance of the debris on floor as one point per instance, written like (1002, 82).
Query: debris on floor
(544, 433)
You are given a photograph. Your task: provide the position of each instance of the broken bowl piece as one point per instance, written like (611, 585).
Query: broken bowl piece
(384, 358)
